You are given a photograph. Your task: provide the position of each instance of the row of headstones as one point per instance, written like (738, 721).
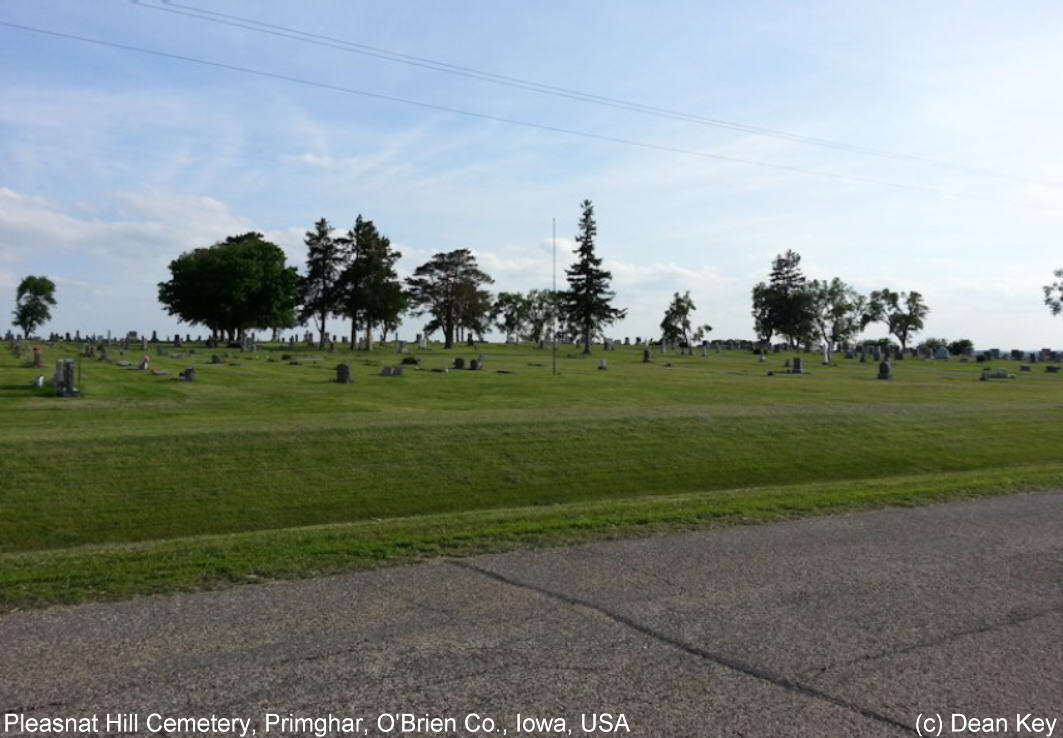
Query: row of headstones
(343, 373)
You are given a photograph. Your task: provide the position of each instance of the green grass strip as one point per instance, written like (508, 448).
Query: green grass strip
(103, 572)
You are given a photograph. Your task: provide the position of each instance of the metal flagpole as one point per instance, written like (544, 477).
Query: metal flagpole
(553, 311)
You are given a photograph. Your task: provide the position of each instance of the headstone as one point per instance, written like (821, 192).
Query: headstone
(177, 340)
(876, 353)
(797, 366)
(64, 378)
(402, 347)
(391, 371)
(144, 363)
(1025, 368)
(474, 365)
(647, 358)
(189, 374)
(1052, 369)
(601, 364)
(996, 374)
(849, 354)
(941, 353)
(459, 363)
(343, 373)
(786, 364)
(885, 371)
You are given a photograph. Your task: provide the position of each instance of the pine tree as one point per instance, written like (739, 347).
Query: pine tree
(587, 302)
(324, 260)
(371, 292)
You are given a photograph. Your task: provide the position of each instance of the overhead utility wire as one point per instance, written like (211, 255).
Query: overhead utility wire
(250, 24)
(500, 119)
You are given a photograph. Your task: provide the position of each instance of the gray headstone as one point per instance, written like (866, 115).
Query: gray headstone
(647, 358)
(885, 371)
(798, 367)
(459, 363)
(189, 374)
(601, 364)
(343, 373)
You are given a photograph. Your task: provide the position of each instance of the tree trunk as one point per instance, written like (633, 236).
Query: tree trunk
(368, 335)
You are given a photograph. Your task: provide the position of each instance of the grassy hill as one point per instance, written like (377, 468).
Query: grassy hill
(267, 468)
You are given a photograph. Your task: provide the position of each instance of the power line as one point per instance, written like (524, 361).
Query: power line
(210, 16)
(510, 121)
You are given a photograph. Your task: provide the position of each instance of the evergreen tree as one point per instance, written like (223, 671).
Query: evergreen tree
(587, 305)
(324, 261)
(784, 305)
(449, 288)
(370, 291)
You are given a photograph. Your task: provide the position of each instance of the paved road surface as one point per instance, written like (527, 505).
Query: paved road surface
(841, 626)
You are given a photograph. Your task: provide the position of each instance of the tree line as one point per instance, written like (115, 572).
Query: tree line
(828, 311)
(243, 283)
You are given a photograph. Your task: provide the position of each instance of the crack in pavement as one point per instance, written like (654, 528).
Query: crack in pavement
(777, 680)
(1012, 620)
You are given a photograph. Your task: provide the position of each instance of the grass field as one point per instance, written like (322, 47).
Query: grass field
(261, 468)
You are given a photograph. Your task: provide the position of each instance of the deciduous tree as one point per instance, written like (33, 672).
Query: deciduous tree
(232, 286)
(902, 312)
(33, 300)
(1054, 293)
(838, 312)
(675, 328)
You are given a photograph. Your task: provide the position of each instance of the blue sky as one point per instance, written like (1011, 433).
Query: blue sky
(112, 163)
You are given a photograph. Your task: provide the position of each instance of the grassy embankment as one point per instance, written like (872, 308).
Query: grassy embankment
(266, 469)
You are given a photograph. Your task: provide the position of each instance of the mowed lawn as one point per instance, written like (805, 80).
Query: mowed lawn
(264, 468)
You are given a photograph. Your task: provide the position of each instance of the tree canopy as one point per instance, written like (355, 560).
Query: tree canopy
(235, 285)
(511, 314)
(902, 312)
(675, 327)
(588, 301)
(370, 292)
(783, 305)
(319, 290)
(449, 288)
(1054, 293)
(33, 300)
(838, 312)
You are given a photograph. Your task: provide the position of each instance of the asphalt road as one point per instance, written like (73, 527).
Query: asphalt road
(842, 626)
